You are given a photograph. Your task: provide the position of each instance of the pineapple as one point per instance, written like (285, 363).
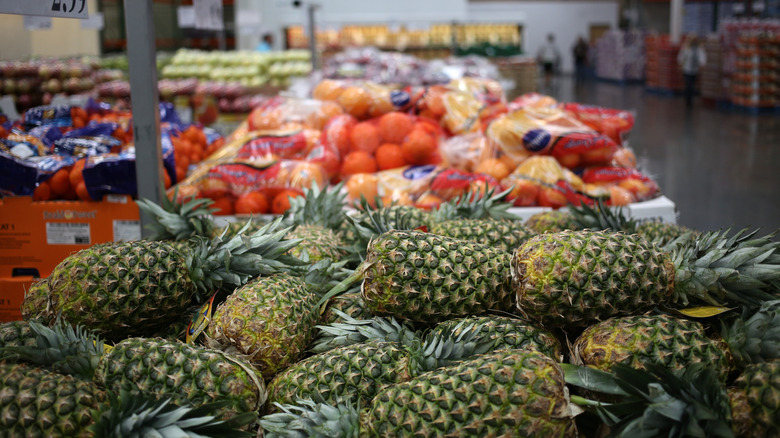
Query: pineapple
(677, 343)
(317, 215)
(576, 278)
(17, 334)
(661, 233)
(572, 278)
(349, 303)
(755, 401)
(505, 393)
(269, 321)
(495, 331)
(39, 402)
(317, 243)
(132, 288)
(426, 278)
(352, 373)
(506, 332)
(502, 235)
(658, 339)
(552, 222)
(146, 367)
(389, 353)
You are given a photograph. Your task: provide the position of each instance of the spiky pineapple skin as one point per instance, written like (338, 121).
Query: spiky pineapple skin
(412, 216)
(551, 222)
(576, 278)
(270, 320)
(351, 374)
(17, 334)
(662, 232)
(427, 278)
(658, 339)
(188, 374)
(755, 401)
(36, 299)
(507, 332)
(119, 289)
(318, 243)
(350, 303)
(35, 402)
(506, 393)
(502, 235)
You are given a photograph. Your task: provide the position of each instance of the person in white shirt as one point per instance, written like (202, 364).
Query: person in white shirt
(548, 56)
(691, 58)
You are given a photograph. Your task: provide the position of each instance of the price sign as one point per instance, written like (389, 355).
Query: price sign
(46, 8)
(208, 14)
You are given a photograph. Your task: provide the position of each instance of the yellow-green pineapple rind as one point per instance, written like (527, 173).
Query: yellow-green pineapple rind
(36, 402)
(318, 243)
(502, 235)
(188, 374)
(269, 320)
(507, 332)
(427, 278)
(351, 374)
(350, 303)
(659, 339)
(755, 401)
(118, 288)
(505, 393)
(576, 278)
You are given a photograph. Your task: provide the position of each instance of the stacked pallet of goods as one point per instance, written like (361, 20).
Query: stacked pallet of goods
(662, 72)
(621, 56)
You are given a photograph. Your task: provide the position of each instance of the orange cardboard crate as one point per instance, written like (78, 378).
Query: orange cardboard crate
(36, 236)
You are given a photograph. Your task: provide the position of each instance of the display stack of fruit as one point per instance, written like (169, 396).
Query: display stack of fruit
(69, 153)
(399, 322)
(34, 82)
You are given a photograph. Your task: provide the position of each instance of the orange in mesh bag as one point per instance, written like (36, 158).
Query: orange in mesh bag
(542, 181)
(291, 113)
(551, 131)
(360, 99)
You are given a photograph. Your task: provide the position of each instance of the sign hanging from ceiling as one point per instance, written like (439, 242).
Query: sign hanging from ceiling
(46, 8)
(208, 15)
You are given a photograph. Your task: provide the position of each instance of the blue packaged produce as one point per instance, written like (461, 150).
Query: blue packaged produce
(115, 173)
(19, 176)
(48, 135)
(93, 139)
(48, 115)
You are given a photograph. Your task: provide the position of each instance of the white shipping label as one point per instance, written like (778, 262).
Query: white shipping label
(67, 233)
(127, 230)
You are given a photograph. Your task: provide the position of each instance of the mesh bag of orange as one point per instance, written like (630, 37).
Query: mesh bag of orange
(549, 130)
(542, 181)
(614, 123)
(362, 100)
(393, 140)
(291, 113)
(625, 185)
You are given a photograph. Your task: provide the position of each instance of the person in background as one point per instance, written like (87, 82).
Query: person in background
(691, 58)
(549, 57)
(580, 52)
(266, 43)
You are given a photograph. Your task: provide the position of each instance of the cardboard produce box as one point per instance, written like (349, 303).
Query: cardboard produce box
(36, 236)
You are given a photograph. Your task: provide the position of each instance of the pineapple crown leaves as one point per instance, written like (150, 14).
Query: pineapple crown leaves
(131, 416)
(324, 207)
(356, 331)
(476, 205)
(755, 338)
(717, 269)
(235, 261)
(445, 349)
(63, 348)
(326, 274)
(310, 419)
(174, 220)
(601, 217)
(657, 401)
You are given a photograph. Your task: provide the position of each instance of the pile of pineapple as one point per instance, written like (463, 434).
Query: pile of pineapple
(392, 321)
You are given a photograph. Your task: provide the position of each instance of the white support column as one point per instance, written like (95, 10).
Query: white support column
(675, 20)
